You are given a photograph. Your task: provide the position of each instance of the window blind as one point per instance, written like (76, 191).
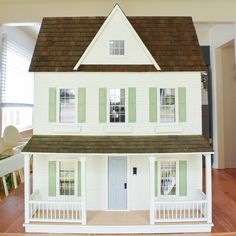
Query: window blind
(16, 81)
(16, 85)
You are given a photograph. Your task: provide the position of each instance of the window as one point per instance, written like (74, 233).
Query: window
(16, 85)
(67, 106)
(117, 47)
(167, 105)
(67, 178)
(117, 105)
(168, 178)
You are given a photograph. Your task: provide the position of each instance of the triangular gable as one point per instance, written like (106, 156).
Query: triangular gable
(117, 27)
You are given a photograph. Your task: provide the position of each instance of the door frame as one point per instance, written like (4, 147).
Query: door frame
(107, 183)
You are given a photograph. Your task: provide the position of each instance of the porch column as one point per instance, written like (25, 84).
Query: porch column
(152, 189)
(27, 186)
(83, 190)
(208, 187)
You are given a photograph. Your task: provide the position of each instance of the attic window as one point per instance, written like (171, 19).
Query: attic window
(117, 47)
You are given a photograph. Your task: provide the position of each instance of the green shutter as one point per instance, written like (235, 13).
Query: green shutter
(102, 105)
(52, 178)
(81, 105)
(156, 178)
(182, 104)
(52, 110)
(153, 104)
(79, 178)
(183, 178)
(132, 105)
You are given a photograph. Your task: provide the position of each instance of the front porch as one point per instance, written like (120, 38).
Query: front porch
(165, 212)
(187, 210)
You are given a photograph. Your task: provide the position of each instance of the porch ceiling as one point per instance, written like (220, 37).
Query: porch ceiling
(117, 144)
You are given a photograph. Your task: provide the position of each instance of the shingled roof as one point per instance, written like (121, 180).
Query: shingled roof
(117, 144)
(172, 41)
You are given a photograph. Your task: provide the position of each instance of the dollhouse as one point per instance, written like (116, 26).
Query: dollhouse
(117, 144)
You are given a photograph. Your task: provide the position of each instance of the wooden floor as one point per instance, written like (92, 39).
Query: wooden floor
(224, 207)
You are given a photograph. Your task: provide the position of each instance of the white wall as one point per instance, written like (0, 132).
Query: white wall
(220, 36)
(94, 81)
(33, 11)
(97, 177)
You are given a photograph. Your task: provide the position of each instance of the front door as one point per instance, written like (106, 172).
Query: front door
(117, 186)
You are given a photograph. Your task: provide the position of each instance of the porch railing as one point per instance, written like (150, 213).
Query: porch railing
(181, 211)
(54, 211)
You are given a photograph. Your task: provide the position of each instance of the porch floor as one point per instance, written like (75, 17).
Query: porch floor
(118, 218)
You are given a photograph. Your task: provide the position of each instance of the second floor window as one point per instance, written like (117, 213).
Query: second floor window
(67, 106)
(117, 47)
(167, 105)
(117, 105)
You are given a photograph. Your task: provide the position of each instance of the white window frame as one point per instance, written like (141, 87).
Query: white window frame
(176, 105)
(159, 177)
(58, 178)
(126, 106)
(114, 55)
(58, 107)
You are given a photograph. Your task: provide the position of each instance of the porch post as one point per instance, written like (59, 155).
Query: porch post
(208, 187)
(83, 190)
(152, 189)
(27, 186)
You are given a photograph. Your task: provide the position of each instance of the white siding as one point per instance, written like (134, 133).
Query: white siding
(96, 179)
(93, 81)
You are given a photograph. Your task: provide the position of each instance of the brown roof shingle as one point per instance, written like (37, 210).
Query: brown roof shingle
(172, 41)
(117, 144)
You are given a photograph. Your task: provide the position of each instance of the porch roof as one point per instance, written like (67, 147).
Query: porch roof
(117, 144)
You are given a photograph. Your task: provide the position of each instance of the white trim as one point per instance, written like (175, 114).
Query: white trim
(106, 22)
(27, 185)
(129, 229)
(208, 180)
(115, 154)
(152, 189)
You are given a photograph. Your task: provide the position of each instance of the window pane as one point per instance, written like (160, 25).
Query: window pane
(67, 106)
(167, 105)
(117, 105)
(117, 47)
(67, 178)
(168, 178)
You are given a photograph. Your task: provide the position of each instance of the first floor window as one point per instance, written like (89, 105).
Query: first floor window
(67, 178)
(167, 105)
(67, 106)
(168, 178)
(117, 105)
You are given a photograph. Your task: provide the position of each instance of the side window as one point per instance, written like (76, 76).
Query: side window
(167, 105)
(66, 178)
(168, 178)
(67, 106)
(117, 111)
(117, 47)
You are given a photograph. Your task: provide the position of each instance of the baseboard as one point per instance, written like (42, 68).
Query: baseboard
(130, 229)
